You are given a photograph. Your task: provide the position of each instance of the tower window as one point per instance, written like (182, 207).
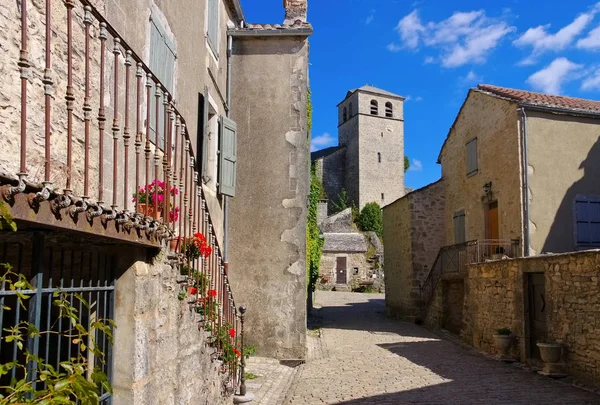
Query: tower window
(345, 115)
(374, 107)
(379, 157)
(382, 197)
(389, 110)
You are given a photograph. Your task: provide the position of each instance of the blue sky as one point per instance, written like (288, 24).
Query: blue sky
(432, 52)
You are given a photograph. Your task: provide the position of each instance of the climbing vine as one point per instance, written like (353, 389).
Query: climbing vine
(314, 243)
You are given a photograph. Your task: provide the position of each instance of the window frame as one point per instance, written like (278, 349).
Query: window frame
(374, 107)
(389, 110)
(585, 199)
(214, 47)
(475, 170)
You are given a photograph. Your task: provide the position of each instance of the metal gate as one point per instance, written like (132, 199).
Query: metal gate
(75, 269)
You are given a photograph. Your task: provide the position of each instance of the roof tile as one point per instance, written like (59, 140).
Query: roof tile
(541, 99)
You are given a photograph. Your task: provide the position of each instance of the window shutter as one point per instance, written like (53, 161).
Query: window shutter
(587, 222)
(205, 132)
(472, 156)
(213, 25)
(228, 157)
(459, 227)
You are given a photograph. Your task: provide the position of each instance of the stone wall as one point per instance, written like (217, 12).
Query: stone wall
(494, 122)
(353, 260)
(495, 297)
(413, 233)
(334, 176)
(161, 355)
(268, 216)
(347, 135)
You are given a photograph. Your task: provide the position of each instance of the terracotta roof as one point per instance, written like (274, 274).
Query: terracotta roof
(298, 25)
(540, 99)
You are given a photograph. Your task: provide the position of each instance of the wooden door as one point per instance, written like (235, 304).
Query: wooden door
(341, 271)
(493, 231)
(537, 311)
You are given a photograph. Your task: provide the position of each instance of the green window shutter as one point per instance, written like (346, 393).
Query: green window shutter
(212, 31)
(205, 132)
(162, 64)
(228, 157)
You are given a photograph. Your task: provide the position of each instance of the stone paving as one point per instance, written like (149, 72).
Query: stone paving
(272, 380)
(366, 359)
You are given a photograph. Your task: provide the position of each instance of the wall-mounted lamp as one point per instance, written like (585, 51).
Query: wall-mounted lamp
(487, 188)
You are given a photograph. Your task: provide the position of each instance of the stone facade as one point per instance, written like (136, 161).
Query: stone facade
(162, 356)
(268, 215)
(496, 297)
(357, 269)
(331, 170)
(413, 226)
(338, 223)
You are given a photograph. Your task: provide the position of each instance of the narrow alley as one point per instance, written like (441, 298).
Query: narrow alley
(365, 358)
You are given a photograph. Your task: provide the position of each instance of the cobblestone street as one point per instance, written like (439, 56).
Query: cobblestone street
(364, 358)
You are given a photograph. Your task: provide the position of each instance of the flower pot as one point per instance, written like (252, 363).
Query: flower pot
(503, 344)
(551, 354)
(175, 244)
(141, 208)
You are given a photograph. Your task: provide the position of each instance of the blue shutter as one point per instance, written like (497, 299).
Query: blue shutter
(587, 215)
(213, 25)
(228, 157)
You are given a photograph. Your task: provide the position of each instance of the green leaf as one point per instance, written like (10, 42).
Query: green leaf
(61, 385)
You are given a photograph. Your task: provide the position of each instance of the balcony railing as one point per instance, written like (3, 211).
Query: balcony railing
(454, 259)
(71, 77)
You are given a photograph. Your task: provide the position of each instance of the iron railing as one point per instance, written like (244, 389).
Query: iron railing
(89, 183)
(454, 259)
(87, 273)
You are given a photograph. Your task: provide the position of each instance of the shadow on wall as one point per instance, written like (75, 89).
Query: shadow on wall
(561, 236)
(463, 377)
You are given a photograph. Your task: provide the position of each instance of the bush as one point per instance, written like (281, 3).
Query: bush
(370, 219)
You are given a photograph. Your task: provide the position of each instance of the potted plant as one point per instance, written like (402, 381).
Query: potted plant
(175, 243)
(503, 340)
(145, 203)
(196, 246)
(551, 354)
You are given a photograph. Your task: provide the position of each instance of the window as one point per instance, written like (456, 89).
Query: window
(459, 227)
(212, 28)
(472, 167)
(350, 111)
(389, 110)
(378, 157)
(162, 64)
(382, 196)
(356, 271)
(345, 115)
(587, 221)
(374, 107)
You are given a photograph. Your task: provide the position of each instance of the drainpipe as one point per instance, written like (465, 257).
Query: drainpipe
(525, 183)
(228, 114)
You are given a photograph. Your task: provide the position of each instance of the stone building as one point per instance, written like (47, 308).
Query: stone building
(145, 93)
(369, 161)
(518, 179)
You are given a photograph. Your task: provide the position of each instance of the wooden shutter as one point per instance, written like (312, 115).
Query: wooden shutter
(459, 227)
(213, 25)
(162, 64)
(587, 214)
(472, 156)
(228, 157)
(205, 131)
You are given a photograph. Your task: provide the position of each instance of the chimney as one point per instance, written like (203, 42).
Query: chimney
(321, 211)
(295, 10)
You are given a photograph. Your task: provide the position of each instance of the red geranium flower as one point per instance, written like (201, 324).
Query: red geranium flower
(193, 290)
(212, 293)
(232, 332)
(237, 352)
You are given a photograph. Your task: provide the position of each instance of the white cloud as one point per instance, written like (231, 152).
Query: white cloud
(429, 60)
(419, 98)
(408, 98)
(370, 17)
(321, 141)
(471, 77)
(464, 37)
(551, 78)
(541, 41)
(394, 48)
(416, 165)
(592, 82)
(592, 41)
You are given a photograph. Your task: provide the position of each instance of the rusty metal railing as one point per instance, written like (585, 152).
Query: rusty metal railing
(105, 68)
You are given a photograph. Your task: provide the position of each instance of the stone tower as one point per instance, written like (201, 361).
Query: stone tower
(371, 130)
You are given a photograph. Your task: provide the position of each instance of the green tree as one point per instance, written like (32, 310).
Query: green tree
(370, 219)
(406, 163)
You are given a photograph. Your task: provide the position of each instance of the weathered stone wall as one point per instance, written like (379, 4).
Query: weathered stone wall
(338, 223)
(348, 137)
(498, 146)
(161, 355)
(414, 227)
(353, 260)
(334, 176)
(495, 297)
(553, 182)
(453, 292)
(384, 136)
(268, 216)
